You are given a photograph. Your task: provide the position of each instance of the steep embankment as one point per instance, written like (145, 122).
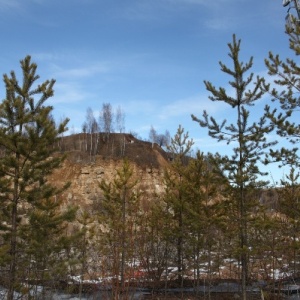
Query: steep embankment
(85, 172)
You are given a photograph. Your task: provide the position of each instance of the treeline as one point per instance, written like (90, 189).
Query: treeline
(106, 135)
(207, 223)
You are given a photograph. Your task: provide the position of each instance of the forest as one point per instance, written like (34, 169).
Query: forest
(209, 224)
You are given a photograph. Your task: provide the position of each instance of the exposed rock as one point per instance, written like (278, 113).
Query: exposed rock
(84, 189)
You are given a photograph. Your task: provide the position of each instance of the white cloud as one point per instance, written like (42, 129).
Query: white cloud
(207, 3)
(7, 4)
(219, 22)
(138, 107)
(83, 71)
(208, 144)
(67, 93)
(10, 6)
(191, 105)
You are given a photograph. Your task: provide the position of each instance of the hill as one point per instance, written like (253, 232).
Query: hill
(86, 147)
(88, 161)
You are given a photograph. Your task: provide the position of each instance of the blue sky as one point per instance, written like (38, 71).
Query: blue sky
(148, 56)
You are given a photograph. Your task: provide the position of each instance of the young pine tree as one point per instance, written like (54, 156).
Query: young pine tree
(27, 138)
(241, 168)
(118, 216)
(289, 206)
(46, 242)
(203, 185)
(175, 197)
(285, 90)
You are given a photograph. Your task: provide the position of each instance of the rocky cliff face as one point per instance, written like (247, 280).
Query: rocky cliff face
(85, 177)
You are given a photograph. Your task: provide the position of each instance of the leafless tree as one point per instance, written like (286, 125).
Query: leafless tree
(91, 127)
(167, 138)
(135, 135)
(73, 134)
(152, 135)
(84, 130)
(106, 119)
(160, 139)
(95, 133)
(120, 119)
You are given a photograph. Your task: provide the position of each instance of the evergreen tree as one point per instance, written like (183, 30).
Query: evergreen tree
(175, 197)
(266, 235)
(86, 248)
(155, 231)
(285, 94)
(241, 168)
(289, 206)
(45, 241)
(203, 186)
(27, 142)
(118, 218)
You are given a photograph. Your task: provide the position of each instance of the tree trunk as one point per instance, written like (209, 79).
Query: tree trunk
(13, 240)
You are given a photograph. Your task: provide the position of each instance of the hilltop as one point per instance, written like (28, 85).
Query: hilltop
(85, 165)
(86, 148)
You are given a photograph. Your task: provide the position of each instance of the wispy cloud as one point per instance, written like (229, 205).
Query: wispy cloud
(9, 5)
(206, 3)
(221, 14)
(192, 105)
(67, 67)
(141, 106)
(68, 93)
(208, 144)
(218, 23)
(81, 72)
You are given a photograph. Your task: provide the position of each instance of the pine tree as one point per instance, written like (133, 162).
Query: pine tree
(27, 138)
(118, 218)
(86, 248)
(241, 168)
(175, 197)
(155, 235)
(46, 242)
(285, 94)
(203, 188)
(267, 239)
(289, 206)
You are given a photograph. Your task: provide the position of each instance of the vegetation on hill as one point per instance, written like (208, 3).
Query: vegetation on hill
(85, 147)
